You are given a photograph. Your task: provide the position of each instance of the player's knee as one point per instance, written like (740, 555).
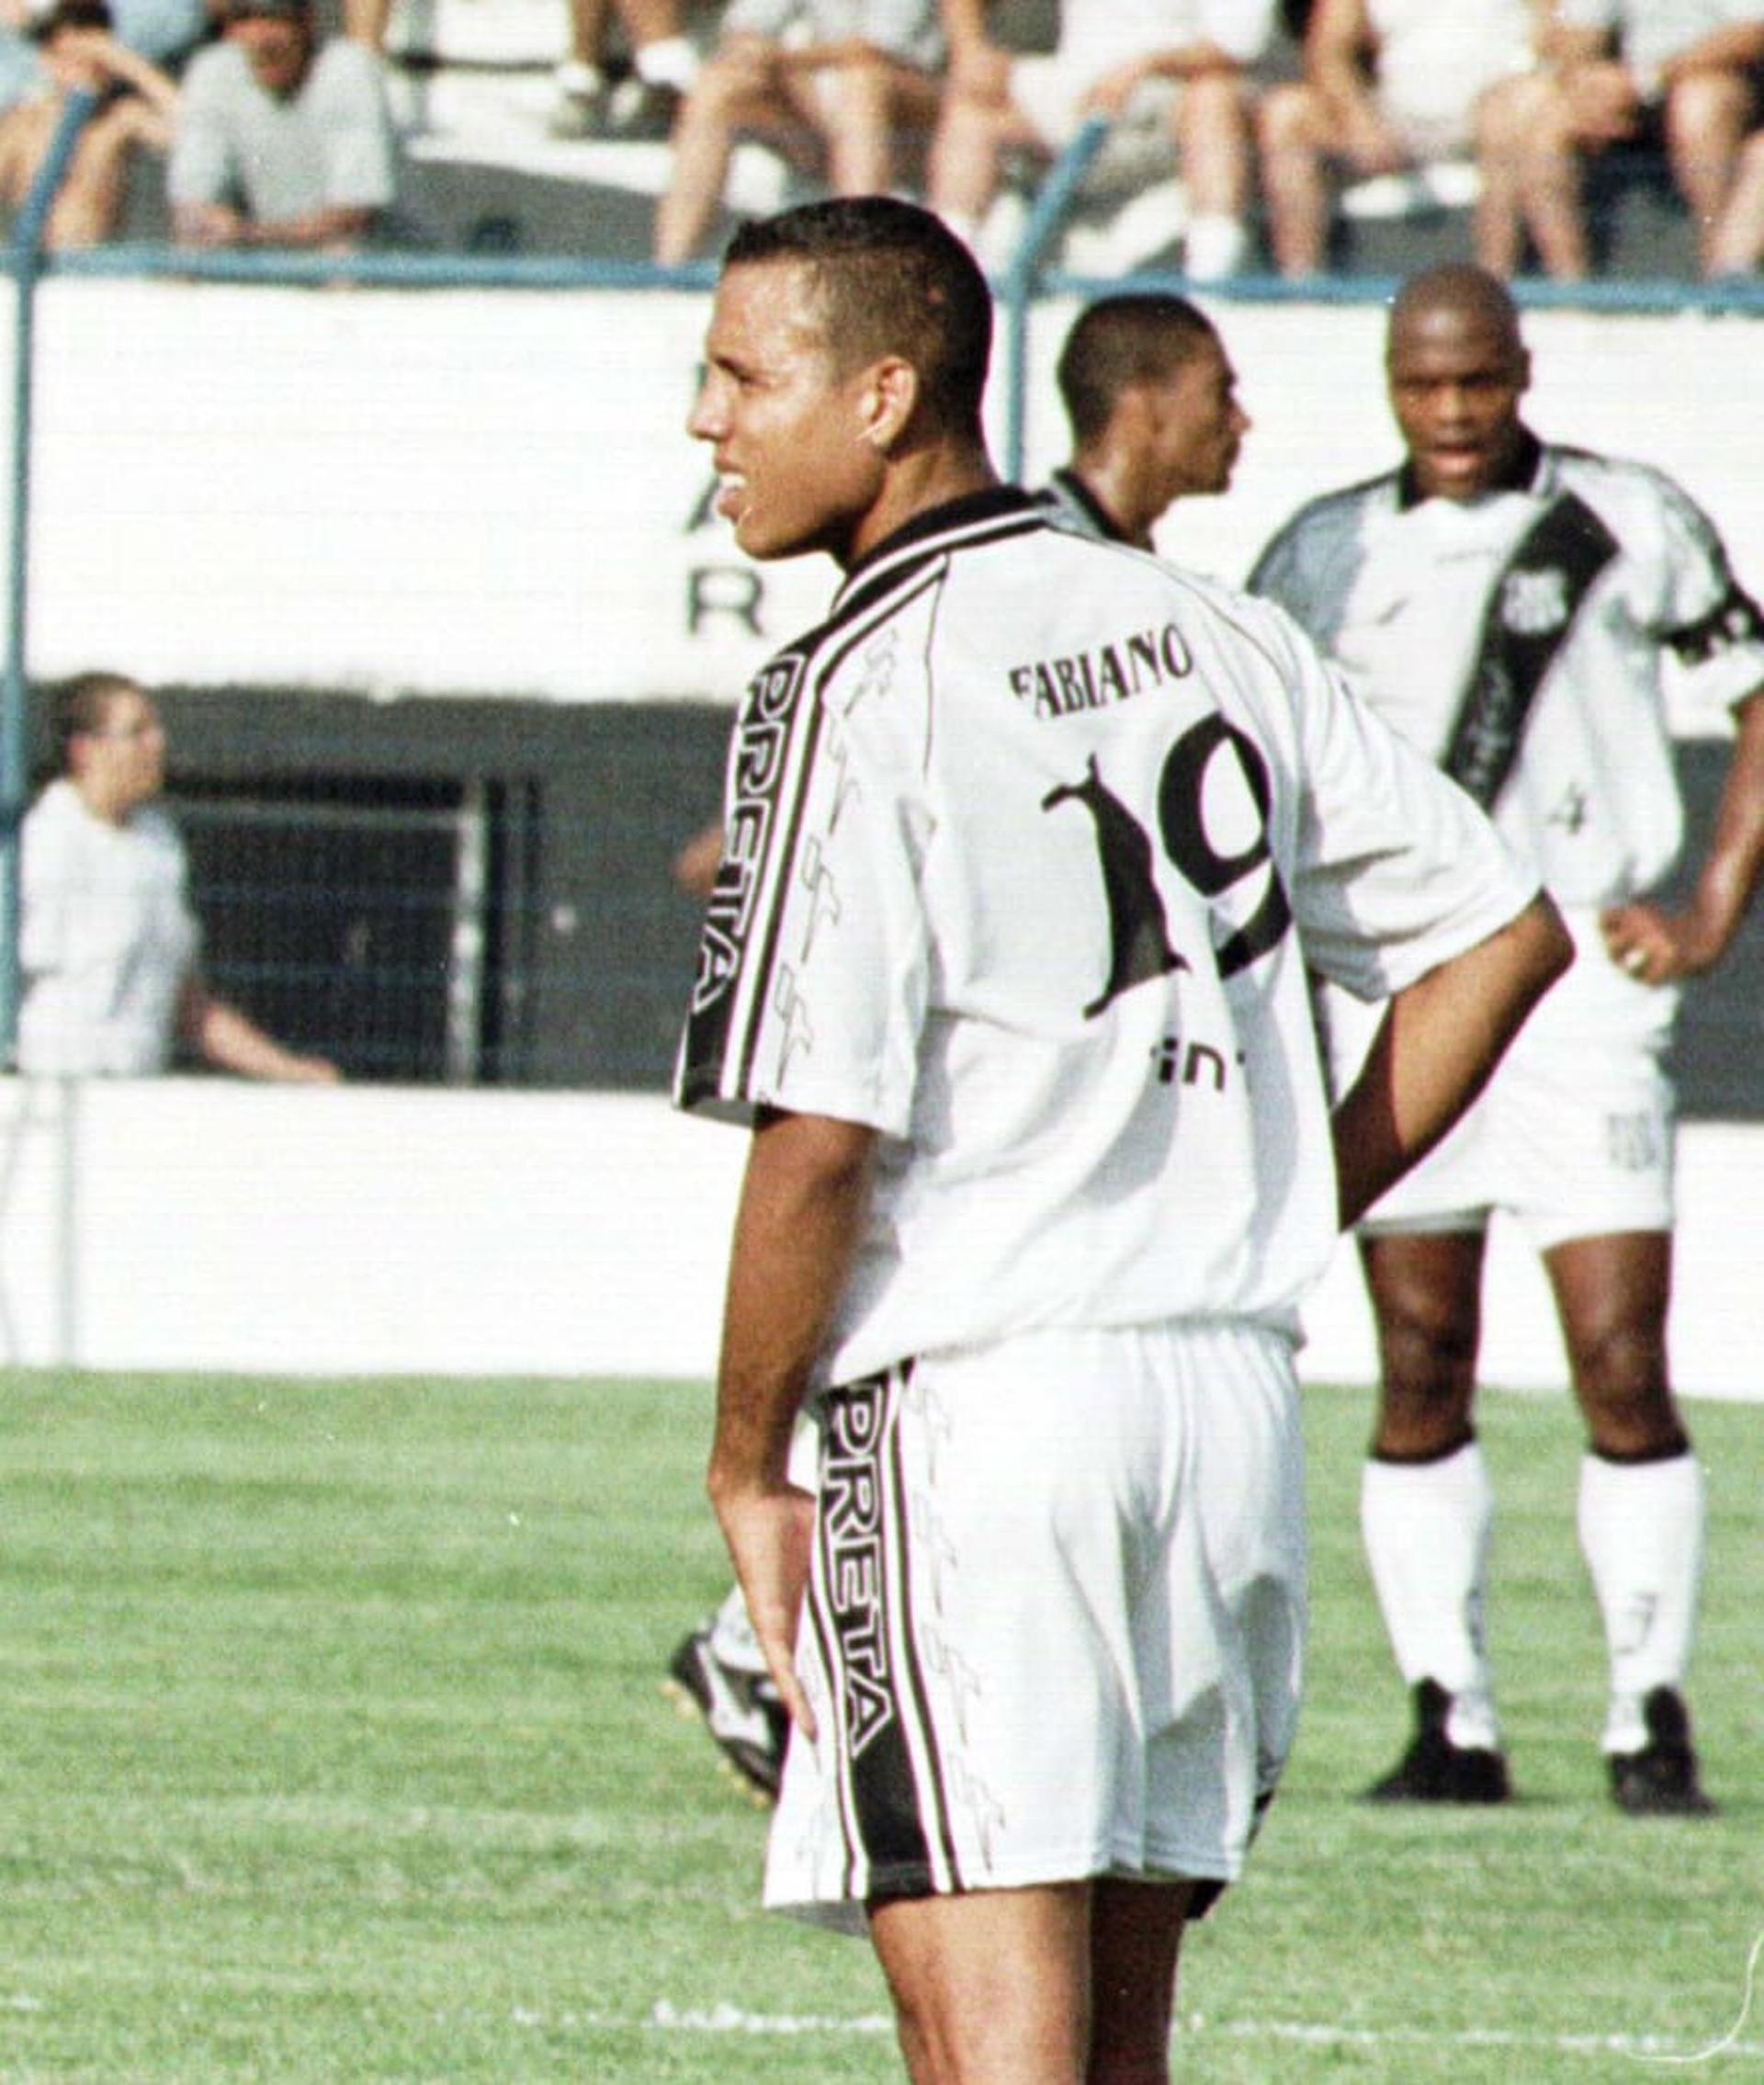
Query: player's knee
(1620, 1379)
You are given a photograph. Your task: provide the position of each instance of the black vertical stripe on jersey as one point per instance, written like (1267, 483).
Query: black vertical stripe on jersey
(705, 1046)
(914, 1676)
(884, 1800)
(782, 852)
(816, 673)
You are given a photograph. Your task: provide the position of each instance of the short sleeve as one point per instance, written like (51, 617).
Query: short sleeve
(1397, 869)
(813, 963)
(1707, 621)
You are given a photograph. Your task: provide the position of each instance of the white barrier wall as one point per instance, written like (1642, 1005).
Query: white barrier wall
(206, 1225)
(444, 492)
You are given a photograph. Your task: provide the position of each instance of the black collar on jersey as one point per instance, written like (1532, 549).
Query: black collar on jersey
(1519, 476)
(1073, 488)
(996, 504)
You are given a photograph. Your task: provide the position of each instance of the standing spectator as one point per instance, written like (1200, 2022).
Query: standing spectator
(1151, 398)
(664, 62)
(1389, 85)
(1032, 841)
(282, 141)
(136, 105)
(1508, 605)
(1684, 77)
(838, 83)
(1182, 62)
(108, 944)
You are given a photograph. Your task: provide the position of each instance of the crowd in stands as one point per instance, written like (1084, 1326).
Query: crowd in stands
(1241, 135)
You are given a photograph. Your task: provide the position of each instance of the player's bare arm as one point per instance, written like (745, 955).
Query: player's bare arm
(801, 1211)
(1659, 947)
(1440, 1040)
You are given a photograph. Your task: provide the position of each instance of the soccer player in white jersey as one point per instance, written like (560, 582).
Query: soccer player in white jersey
(1508, 605)
(1030, 844)
(1151, 398)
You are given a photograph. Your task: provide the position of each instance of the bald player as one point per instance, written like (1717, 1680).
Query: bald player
(1508, 605)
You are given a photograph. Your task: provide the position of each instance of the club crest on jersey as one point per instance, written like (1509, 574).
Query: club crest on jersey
(1534, 603)
(1107, 674)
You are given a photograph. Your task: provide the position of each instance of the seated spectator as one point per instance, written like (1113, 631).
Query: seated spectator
(1388, 86)
(108, 945)
(164, 31)
(664, 62)
(1182, 62)
(136, 103)
(282, 141)
(1684, 80)
(834, 84)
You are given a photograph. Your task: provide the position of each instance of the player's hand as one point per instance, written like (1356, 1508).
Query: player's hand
(1656, 948)
(770, 1533)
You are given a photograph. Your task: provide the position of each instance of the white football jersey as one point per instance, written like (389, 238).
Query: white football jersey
(1578, 580)
(1028, 847)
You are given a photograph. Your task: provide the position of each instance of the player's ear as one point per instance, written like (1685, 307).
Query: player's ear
(888, 401)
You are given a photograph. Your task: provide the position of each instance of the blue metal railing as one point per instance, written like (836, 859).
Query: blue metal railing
(25, 259)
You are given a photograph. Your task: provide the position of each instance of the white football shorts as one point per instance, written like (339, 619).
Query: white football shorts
(1574, 1135)
(1057, 1619)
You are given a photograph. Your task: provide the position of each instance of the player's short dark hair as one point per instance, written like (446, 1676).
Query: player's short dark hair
(1125, 340)
(80, 705)
(893, 279)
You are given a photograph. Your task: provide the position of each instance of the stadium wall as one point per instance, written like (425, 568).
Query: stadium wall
(202, 1225)
(456, 492)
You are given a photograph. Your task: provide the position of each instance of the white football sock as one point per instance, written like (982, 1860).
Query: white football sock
(1641, 1531)
(732, 1641)
(1426, 1528)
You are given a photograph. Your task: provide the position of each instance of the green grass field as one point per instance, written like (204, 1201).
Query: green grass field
(332, 1747)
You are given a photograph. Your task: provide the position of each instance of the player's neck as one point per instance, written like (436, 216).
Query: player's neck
(927, 478)
(1111, 480)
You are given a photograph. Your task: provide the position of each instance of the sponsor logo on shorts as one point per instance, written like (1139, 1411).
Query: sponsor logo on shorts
(851, 1518)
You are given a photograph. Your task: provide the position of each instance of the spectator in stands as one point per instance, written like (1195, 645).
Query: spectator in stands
(836, 85)
(1183, 62)
(135, 106)
(1388, 86)
(163, 31)
(282, 139)
(664, 62)
(1683, 78)
(107, 944)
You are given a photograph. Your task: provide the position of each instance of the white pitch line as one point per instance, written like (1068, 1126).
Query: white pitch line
(664, 2017)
